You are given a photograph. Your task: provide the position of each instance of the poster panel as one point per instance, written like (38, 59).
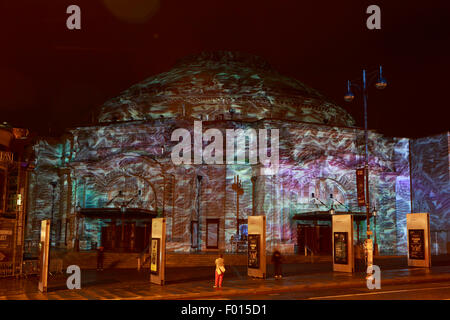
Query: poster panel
(343, 255)
(158, 251)
(418, 239)
(256, 243)
(254, 251)
(341, 247)
(154, 256)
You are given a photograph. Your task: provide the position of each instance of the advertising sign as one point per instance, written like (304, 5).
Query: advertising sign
(158, 251)
(256, 244)
(154, 255)
(341, 247)
(253, 250)
(343, 253)
(416, 239)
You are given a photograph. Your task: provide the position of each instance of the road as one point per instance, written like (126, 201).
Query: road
(422, 291)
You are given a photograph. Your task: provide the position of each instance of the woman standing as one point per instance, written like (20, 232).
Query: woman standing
(220, 271)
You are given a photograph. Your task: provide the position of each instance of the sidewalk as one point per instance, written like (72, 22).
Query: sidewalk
(130, 284)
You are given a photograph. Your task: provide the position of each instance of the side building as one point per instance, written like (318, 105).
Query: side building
(15, 167)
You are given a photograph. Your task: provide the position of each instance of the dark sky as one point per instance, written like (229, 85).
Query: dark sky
(53, 77)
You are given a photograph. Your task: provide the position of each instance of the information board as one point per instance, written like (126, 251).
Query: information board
(343, 253)
(341, 247)
(154, 256)
(418, 239)
(253, 251)
(158, 251)
(256, 244)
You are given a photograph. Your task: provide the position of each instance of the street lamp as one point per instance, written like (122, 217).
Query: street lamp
(332, 211)
(381, 83)
(349, 96)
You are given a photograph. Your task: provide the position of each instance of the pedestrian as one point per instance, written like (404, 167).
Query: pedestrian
(220, 271)
(276, 260)
(100, 258)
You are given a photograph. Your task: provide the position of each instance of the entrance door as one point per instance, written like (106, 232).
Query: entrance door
(316, 238)
(134, 239)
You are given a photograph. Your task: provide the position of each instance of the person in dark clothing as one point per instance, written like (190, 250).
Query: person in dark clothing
(100, 257)
(276, 260)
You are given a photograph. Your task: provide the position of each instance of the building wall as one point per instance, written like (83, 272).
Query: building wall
(430, 171)
(91, 163)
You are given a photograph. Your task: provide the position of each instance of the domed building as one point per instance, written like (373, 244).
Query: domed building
(112, 177)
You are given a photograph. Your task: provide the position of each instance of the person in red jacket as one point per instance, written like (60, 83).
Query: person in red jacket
(220, 271)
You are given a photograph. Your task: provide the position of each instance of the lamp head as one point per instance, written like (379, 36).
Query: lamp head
(349, 96)
(381, 83)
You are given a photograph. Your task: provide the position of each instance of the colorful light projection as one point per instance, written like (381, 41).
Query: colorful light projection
(127, 157)
(108, 165)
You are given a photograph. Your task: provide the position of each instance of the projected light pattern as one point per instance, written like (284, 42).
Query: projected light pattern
(430, 168)
(223, 85)
(127, 159)
(104, 160)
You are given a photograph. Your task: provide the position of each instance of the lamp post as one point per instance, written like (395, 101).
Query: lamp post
(381, 83)
(375, 247)
(53, 184)
(237, 187)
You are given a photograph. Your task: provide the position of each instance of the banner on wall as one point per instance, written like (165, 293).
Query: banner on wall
(360, 179)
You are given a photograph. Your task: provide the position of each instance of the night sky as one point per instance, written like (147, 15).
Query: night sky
(52, 77)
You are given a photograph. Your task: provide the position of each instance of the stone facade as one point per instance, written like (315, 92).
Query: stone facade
(126, 157)
(430, 172)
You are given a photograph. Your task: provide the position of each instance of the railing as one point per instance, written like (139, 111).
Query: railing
(30, 267)
(6, 269)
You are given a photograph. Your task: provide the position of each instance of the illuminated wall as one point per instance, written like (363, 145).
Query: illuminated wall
(93, 164)
(430, 171)
(128, 152)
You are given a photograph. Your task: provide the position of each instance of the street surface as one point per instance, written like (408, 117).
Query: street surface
(300, 281)
(422, 291)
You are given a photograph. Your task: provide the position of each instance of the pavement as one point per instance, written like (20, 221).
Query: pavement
(197, 283)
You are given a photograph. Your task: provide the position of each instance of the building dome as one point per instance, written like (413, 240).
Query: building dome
(223, 85)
